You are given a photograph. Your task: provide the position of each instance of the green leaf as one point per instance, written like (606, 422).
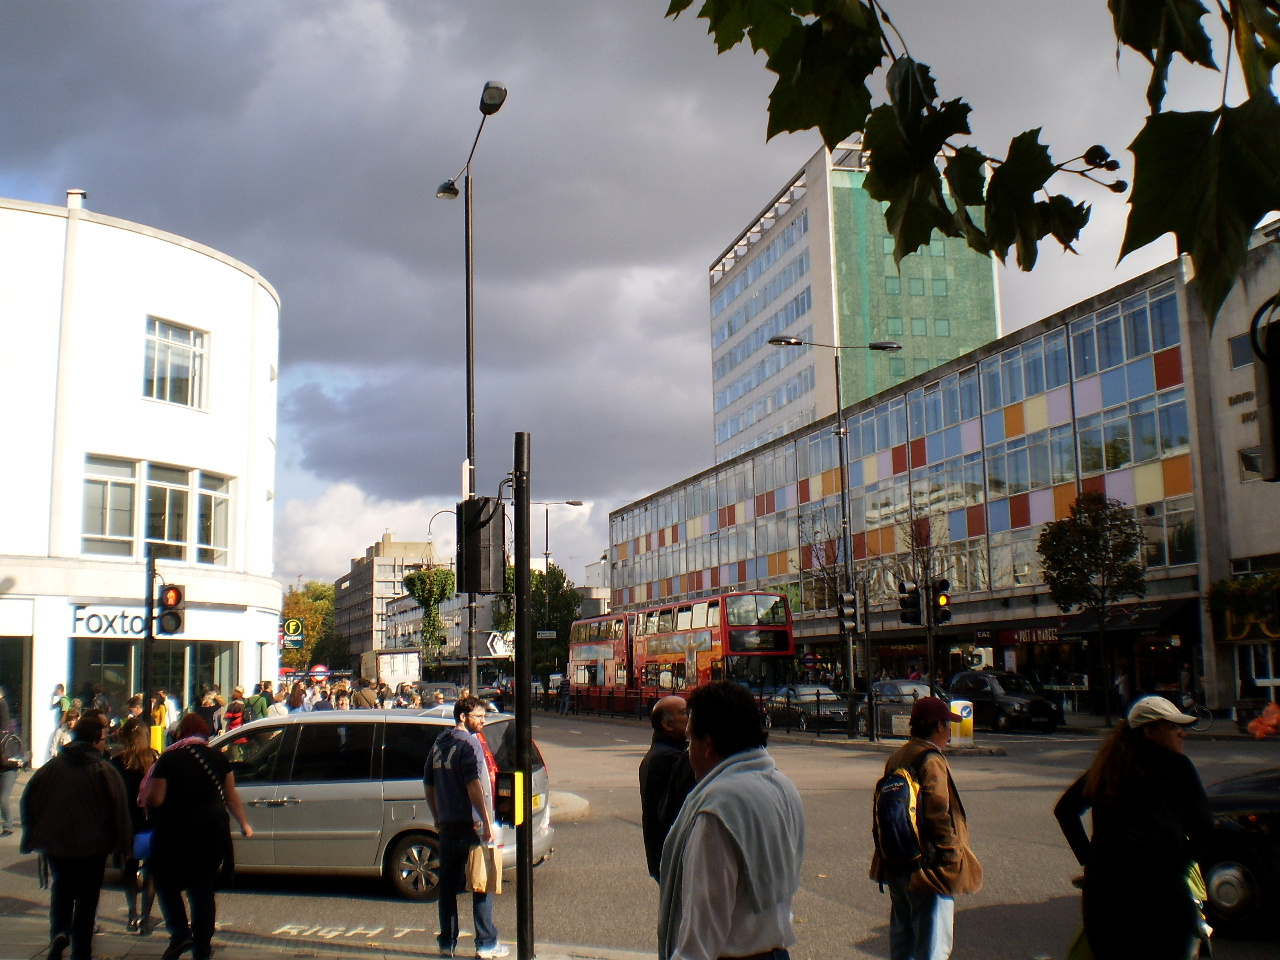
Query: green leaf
(912, 190)
(822, 70)
(966, 176)
(1158, 29)
(1011, 216)
(1208, 177)
(1257, 38)
(1063, 218)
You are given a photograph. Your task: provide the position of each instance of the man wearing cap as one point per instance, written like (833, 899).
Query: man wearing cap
(923, 909)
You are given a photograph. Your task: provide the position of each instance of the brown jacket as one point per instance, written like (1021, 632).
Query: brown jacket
(953, 869)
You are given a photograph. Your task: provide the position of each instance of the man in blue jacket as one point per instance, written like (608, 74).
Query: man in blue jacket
(460, 793)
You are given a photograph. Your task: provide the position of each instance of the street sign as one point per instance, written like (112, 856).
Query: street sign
(293, 639)
(546, 635)
(811, 659)
(319, 671)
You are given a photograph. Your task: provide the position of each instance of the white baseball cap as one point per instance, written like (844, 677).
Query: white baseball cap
(1156, 708)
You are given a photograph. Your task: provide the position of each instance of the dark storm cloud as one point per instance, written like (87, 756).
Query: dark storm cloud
(307, 138)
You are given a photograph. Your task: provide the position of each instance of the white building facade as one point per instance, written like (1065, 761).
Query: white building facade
(138, 397)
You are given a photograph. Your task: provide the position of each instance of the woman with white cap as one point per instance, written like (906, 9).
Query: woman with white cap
(1151, 820)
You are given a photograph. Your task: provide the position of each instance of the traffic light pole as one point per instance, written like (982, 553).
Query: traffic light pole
(149, 635)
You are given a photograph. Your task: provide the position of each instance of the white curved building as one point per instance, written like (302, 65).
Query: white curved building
(138, 406)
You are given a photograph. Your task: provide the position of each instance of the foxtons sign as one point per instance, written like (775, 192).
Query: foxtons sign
(96, 621)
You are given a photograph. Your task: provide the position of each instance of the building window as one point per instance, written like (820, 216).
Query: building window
(168, 526)
(1250, 464)
(942, 328)
(923, 365)
(916, 286)
(1241, 351)
(174, 370)
(167, 492)
(937, 247)
(110, 488)
(895, 326)
(939, 287)
(897, 367)
(886, 245)
(892, 285)
(215, 507)
(919, 327)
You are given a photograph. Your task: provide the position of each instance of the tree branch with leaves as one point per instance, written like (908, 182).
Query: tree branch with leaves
(1208, 177)
(431, 587)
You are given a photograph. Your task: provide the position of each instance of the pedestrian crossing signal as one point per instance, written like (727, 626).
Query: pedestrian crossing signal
(173, 609)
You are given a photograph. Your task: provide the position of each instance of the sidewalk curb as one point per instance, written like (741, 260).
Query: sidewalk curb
(568, 807)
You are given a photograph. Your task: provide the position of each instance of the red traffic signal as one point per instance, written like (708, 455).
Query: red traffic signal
(173, 609)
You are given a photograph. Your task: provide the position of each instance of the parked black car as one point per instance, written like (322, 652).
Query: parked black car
(1003, 700)
(1242, 874)
(809, 707)
(894, 701)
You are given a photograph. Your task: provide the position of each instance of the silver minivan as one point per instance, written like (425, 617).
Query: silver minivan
(340, 792)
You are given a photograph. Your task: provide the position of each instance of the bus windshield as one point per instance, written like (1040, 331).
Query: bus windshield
(759, 609)
(760, 675)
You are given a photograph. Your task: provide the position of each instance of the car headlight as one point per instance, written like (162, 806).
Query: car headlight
(1019, 708)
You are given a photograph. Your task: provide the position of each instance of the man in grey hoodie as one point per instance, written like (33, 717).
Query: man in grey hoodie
(731, 863)
(75, 812)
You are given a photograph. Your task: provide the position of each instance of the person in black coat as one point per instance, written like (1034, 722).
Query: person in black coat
(1151, 823)
(189, 791)
(658, 809)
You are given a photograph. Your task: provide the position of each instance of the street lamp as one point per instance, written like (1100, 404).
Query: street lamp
(846, 542)
(491, 100)
(546, 555)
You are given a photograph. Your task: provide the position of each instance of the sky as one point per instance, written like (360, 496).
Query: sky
(307, 138)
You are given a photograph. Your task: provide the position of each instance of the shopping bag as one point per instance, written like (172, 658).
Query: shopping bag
(142, 845)
(484, 870)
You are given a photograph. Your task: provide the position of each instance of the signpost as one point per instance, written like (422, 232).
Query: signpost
(293, 639)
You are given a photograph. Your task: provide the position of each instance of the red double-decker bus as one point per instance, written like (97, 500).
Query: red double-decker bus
(674, 647)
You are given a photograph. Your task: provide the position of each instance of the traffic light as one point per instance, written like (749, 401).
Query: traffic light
(849, 612)
(482, 561)
(941, 602)
(909, 602)
(173, 609)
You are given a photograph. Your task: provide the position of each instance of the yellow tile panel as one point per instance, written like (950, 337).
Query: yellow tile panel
(1035, 413)
(1148, 483)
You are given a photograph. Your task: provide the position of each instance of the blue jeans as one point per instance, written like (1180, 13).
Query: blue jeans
(455, 845)
(7, 780)
(920, 924)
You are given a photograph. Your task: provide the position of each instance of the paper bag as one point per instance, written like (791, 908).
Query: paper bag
(484, 870)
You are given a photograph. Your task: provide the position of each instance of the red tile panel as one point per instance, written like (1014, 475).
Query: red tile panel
(977, 520)
(1020, 511)
(900, 459)
(1168, 368)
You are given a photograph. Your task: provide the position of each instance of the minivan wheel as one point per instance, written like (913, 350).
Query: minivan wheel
(413, 866)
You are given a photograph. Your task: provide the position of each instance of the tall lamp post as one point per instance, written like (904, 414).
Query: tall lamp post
(491, 100)
(846, 541)
(546, 555)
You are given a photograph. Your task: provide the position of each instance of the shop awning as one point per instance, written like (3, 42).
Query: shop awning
(1133, 615)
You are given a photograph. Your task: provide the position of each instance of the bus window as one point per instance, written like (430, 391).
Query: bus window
(771, 611)
(699, 616)
(666, 621)
(620, 674)
(717, 671)
(618, 632)
(652, 674)
(742, 611)
(713, 613)
(677, 675)
(758, 641)
(758, 673)
(664, 678)
(651, 623)
(575, 633)
(684, 618)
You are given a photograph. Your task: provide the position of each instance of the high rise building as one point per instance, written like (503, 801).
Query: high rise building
(817, 264)
(362, 594)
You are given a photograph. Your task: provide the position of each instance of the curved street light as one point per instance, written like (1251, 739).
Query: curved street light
(491, 100)
(846, 543)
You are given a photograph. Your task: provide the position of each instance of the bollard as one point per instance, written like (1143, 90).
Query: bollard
(962, 732)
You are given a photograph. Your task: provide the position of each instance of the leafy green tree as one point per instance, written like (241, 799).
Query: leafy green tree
(430, 588)
(312, 603)
(1091, 560)
(1208, 176)
(555, 604)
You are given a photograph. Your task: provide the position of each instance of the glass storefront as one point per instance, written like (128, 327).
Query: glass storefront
(15, 677)
(185, 669)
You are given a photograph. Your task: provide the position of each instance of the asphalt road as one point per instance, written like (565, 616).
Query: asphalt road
(595, 889)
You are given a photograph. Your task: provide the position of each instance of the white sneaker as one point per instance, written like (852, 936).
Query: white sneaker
(497, 950)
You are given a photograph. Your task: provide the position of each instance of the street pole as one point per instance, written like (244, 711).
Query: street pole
(546, 574)
(524, 705)
(473, 678)
(846, 547)
(149, 636)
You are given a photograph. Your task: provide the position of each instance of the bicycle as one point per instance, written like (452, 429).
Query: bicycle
(1203, 717)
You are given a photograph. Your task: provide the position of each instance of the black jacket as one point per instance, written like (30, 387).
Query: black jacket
(75, 806)
(656, 817)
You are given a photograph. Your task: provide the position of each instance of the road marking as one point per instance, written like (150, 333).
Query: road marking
(576, 733)
(323, 932)
(620, 740)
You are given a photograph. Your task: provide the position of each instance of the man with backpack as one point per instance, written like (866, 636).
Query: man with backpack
(922, 839)
(256, 706)
(12, 759)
